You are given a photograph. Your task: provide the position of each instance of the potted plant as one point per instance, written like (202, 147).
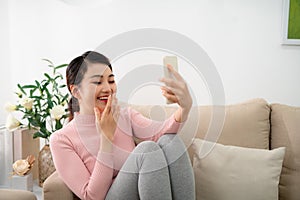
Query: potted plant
(42, 107)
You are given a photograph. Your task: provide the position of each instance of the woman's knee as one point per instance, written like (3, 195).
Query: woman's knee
(146, 147)
(166, 139)
(170, 140)
(172, 146)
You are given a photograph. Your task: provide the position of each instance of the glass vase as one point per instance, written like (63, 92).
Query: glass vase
(46, 165)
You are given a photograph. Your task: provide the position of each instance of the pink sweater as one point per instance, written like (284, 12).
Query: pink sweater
(75, 150)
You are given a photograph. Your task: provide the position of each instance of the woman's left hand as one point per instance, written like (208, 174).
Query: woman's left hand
(176, 90)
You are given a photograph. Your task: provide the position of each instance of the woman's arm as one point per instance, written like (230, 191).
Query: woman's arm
(146, 129)
(72, 170)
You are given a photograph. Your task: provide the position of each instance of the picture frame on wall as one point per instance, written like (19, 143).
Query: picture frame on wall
(291, 22)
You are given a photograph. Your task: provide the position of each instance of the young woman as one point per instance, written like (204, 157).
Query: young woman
(95, 153)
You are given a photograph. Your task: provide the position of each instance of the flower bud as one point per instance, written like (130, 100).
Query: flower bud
(19, 94)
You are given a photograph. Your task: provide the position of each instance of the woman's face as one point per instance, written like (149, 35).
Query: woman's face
(97, 84)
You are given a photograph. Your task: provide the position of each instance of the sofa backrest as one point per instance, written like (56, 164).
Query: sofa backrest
(246, 124)
(285, 128)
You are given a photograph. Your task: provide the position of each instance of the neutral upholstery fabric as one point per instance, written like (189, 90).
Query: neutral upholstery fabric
(9, 194)
(246, 124)
(231, 172)
(286, 132)
(55, 188)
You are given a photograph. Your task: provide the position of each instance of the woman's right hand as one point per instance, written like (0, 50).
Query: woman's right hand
(106, 121)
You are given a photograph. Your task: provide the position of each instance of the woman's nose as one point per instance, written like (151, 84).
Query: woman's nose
(106, 87)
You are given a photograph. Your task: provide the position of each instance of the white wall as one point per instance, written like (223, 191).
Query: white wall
(5, 77)
(242, 37)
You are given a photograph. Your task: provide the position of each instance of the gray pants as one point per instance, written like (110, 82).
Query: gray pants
(155, 171)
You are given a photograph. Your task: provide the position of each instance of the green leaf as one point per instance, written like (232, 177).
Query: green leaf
(32, 91)
(62, 86)
(28, 86)
(61, 66)
(49, 98)
(34, 122)
(47, 75)
(65, 97)
(36, 97)
(38, 85)
(50, 62)
(45, 86)
(58, 124)
(58, 76)
(58, 99)
(40, 134)
(21, 88)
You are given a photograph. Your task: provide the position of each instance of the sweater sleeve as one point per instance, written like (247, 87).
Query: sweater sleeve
(147, 129)
(72, 170)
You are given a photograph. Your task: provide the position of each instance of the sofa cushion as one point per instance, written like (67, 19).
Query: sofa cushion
(285, 129)
(231, 172)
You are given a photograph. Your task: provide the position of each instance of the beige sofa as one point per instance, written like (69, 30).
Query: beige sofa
(11, 194)
(253, 124)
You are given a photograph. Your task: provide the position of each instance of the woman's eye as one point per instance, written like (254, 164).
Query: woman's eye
(97, 83)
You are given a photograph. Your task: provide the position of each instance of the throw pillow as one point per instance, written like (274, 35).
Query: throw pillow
(231, 172)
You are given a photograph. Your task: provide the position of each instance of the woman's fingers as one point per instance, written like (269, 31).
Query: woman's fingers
(97, 113)
(168, 82)
(107, 108)
(168, 89)
(171, 97)
(174, 72)
(169, 94)
(109, 103)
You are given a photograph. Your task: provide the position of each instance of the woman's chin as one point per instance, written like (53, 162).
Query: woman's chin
(100, 104)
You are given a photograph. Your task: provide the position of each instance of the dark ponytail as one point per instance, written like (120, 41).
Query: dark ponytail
(73, 106)
(75, 72)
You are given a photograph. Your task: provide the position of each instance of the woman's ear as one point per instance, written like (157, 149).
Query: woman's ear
(75, 91)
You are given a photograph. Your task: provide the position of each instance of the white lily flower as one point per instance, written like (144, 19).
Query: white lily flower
(57, 112)
(27, 103)
(9, 107)
(12, 123)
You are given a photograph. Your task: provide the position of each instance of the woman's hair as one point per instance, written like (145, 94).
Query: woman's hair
(75, 72)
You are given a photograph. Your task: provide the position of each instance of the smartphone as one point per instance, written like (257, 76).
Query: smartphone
(172, 60)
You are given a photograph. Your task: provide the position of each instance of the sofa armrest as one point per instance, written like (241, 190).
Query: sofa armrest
(9, 194)
(55, 188)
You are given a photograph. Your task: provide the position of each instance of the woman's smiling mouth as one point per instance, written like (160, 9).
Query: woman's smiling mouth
(103, 99)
